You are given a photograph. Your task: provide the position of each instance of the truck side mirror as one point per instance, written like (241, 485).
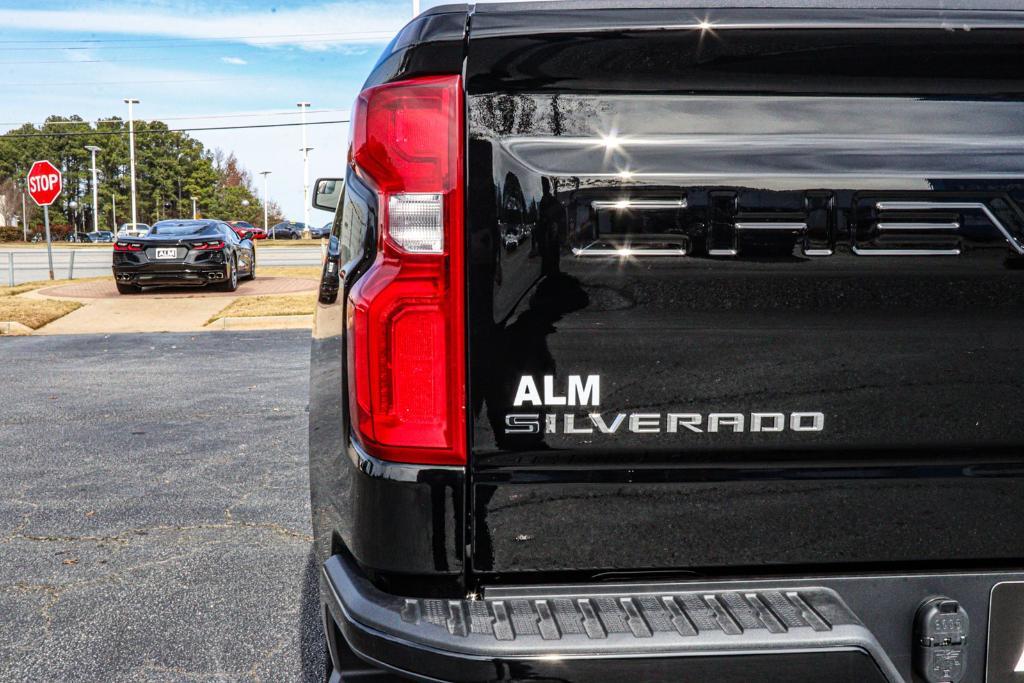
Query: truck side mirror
(327, 193)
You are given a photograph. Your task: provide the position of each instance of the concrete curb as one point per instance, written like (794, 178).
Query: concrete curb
(263, 322)
(15, 328)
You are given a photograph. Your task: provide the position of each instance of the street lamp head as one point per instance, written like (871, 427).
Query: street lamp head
(92, 148)
(129, 100)
(265, 172)
(302, 104)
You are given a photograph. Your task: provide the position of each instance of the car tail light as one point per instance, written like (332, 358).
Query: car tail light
(406, 342)
(207, 246)
(127, 246)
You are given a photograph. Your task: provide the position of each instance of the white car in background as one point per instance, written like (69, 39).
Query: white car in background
(132, 230)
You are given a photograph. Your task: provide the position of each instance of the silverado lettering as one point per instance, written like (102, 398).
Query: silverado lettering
(653, 423)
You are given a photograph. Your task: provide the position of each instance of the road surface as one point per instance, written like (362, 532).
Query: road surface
(31, 264)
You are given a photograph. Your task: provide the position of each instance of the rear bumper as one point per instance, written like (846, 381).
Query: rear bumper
(161, 274)
(650, 633)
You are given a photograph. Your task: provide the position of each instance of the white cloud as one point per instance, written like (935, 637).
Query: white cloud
(237, 61)
(306, 27)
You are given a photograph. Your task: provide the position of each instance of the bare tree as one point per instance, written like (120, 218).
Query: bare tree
(10, 202)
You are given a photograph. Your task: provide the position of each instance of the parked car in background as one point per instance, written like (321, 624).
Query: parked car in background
(77, 237)
(184, 252)
(100, 236)
(287, 230)
(241, 227)
(323, 231)
(132, 229)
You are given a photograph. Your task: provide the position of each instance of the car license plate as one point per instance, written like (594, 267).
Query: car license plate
(167, 253)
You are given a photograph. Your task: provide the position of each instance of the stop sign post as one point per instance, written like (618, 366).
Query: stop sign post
(44, 184)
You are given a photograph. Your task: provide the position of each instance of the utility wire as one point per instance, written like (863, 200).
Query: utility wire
(90, 61)
(144, 82)
(200, 117)
(376, 36)
(202, 38)
(169, 130)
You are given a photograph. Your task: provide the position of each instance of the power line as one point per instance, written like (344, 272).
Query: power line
(90, 61)
(143, 82)
(224, 37)
(199, 117)
(374, 36)
(168, 130)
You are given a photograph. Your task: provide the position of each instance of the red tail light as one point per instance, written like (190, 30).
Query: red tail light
(406, 341)
(127, 246)
(207, 246)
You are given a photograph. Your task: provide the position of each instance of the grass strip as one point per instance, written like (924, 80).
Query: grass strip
(35, 313)
(278, 304)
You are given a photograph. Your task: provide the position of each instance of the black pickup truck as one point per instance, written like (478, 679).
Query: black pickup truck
(675, 342)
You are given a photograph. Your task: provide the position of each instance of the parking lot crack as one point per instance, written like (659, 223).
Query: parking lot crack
(26, 517)
(262, 484)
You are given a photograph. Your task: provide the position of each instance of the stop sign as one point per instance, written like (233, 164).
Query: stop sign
(44, 183)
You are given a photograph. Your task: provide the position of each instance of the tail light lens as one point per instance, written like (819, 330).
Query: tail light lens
(207, 246)
(127, 246)
(405, 335)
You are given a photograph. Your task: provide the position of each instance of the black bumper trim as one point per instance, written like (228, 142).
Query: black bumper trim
(185, 275)
(655, 630)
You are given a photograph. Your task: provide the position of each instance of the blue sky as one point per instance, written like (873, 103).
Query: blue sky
(193, 64)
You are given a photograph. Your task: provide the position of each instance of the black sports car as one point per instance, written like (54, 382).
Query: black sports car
(184, 252)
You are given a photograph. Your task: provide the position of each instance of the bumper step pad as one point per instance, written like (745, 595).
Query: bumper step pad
(604, 628)
(690, 615)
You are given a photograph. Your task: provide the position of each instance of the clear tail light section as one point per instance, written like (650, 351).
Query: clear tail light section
(416, 222)
(406, 340)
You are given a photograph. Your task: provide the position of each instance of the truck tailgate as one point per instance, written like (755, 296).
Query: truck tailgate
(744, 293)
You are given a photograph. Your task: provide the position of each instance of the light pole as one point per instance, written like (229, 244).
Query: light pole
(177, 206)
(305, 196)
(73, 205)
(24, 215)
(113, 211)
(194, 210)
(131, 154)
(303, 106)
(266, 199)
(95, 202)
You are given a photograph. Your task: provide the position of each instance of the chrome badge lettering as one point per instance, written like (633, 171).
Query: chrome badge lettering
(585, 390)
(581, 392)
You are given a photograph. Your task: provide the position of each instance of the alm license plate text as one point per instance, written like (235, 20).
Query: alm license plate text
(167, 253)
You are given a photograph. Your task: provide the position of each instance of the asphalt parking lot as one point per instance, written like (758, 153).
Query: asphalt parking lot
(154, 511)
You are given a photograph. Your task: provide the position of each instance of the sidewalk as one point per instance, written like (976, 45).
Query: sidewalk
(130, 314)
(167, 310)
